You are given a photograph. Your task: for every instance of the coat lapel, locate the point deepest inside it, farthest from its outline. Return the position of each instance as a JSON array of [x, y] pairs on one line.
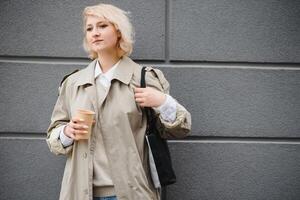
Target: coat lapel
[[123, 73], [87, 81]]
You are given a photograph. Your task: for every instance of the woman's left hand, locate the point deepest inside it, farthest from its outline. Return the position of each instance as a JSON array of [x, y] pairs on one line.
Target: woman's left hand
[[149, 97]]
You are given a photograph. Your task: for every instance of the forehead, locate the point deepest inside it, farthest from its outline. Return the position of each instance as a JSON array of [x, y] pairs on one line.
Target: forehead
[[92, 19]]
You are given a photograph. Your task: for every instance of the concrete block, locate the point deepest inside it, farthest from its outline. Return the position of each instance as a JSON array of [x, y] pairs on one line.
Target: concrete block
[[237, 31], [28, 170], [54, 28], [234, 171]]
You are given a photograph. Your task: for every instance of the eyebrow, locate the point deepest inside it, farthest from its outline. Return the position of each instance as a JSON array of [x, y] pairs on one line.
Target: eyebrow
[[100, 22]]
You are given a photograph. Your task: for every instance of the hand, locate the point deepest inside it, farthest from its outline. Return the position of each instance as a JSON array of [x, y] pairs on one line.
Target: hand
[[74, 127], [149, 97]]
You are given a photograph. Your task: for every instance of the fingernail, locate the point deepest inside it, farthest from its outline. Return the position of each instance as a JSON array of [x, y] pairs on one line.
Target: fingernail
[[85, 126]]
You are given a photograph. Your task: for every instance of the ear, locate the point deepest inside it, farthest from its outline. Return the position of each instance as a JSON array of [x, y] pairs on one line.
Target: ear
[[119, 33]]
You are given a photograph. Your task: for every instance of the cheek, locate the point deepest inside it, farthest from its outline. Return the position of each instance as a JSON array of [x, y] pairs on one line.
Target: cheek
[[111, 36], [88, 37], [114, 40], [89, 40]]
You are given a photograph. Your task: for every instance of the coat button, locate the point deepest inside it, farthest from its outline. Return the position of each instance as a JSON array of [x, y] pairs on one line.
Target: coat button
[[85, 155]]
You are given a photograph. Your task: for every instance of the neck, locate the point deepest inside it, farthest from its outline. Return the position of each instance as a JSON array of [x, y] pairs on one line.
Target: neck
[[107, 60]]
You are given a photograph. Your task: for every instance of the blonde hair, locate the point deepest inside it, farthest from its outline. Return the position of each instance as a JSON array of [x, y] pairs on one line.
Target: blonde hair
[[119, 18]]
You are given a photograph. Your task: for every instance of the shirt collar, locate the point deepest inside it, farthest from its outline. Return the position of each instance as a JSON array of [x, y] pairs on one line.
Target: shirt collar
[[123, 72], [109, 74]]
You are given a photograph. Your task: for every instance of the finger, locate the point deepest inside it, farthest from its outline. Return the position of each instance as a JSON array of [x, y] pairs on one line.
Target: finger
[[138, 90], [76, 120], [73, 135], [138, 95], [71, 124], [80, 127], [139, 100], [80, 132], [70, 133], [142, 104]]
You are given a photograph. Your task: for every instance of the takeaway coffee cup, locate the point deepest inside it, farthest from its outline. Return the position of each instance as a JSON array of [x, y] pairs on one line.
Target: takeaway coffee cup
[[88, 117]]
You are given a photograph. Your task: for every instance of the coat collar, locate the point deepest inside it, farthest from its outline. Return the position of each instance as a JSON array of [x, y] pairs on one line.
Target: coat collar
[[87, 75], [123, 72]]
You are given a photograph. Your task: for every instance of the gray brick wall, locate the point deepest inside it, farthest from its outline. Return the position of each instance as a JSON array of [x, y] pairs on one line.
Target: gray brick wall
[[233, 64]]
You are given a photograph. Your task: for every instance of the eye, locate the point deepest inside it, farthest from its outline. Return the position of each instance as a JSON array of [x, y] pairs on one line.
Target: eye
[[89, 29], [103, 25]]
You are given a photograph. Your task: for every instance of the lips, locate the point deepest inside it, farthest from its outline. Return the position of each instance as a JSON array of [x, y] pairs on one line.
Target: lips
[[97, 41]]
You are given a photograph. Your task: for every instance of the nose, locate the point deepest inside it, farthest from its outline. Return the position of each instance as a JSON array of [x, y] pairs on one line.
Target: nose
[[95, 32]]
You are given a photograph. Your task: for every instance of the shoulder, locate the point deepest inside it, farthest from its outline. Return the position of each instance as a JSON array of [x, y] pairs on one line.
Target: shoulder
[[81, 74], [65, 82], [154, 73], [154, 77], [70, 79], [67, 76]]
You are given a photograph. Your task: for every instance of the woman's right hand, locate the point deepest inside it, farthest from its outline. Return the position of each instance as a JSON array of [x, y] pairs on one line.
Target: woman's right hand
[[75, 127]]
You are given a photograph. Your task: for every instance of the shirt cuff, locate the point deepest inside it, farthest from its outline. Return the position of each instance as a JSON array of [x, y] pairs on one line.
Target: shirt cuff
[[65, 140], [168, 109]]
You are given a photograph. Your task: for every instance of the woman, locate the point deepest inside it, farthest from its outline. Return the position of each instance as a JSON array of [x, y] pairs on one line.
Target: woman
[[112, 163]]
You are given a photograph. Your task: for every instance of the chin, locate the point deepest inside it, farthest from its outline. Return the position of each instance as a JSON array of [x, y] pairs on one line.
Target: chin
[[104, 49]]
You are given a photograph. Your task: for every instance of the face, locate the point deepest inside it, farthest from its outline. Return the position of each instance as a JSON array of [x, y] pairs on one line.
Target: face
[[101, 35]]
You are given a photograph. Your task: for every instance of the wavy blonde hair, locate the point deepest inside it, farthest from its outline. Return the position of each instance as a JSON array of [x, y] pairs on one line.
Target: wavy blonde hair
[[119, 18]]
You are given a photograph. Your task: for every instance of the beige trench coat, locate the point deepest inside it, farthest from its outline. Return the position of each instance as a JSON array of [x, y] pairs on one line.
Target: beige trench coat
[[119, 120]]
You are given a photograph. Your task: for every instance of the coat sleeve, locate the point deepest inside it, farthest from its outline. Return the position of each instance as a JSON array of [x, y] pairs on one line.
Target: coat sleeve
[[181, 127], [60, 116]]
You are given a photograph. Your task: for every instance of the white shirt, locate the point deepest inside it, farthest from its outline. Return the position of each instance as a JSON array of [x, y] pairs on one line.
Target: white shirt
[[105, 78], [167, 109]]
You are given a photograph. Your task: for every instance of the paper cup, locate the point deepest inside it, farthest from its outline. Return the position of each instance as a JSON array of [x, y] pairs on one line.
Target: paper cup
[[88, 117]]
